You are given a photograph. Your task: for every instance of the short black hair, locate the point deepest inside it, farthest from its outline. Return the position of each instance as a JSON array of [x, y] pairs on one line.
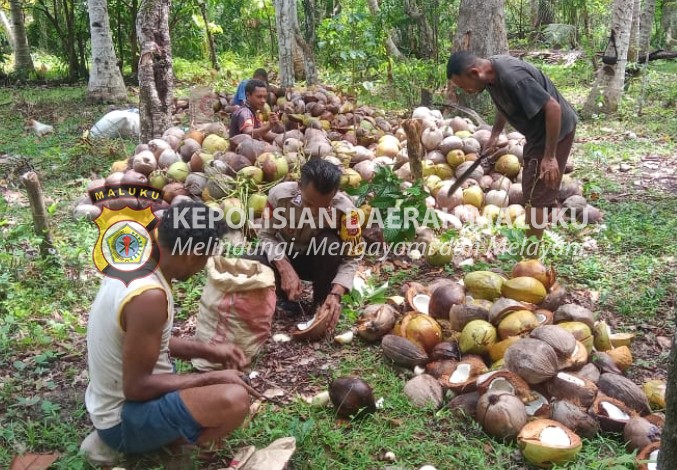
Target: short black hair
[[253, 84], [459, 63], [189, 223], [261, 73], [325, 176]]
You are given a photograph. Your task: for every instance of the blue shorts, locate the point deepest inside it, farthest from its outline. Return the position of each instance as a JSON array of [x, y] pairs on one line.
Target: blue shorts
[[149, 425]]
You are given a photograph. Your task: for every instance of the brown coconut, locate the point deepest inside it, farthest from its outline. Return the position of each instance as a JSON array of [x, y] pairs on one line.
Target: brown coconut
[[501, 414], [533, 360]]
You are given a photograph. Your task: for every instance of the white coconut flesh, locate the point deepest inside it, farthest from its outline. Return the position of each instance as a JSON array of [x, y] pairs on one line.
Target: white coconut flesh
[[553, 436], [614, 412], [461, 374], [541, 318], [421, 303], [571, 379], [534, 405], [304, 326], [501, 385], [653, 460]]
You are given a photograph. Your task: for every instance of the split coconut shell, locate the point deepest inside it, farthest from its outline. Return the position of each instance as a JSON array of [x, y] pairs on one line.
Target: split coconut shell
[[545, 442]]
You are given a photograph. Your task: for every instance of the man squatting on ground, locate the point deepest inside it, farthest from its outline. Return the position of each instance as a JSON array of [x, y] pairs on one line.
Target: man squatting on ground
[[528, 100], [330, 269], [247, 119], [135, 399]]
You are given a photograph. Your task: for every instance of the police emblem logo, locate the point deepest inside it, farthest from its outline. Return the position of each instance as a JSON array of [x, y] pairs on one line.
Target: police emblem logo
[[351, 233], [125, 248]]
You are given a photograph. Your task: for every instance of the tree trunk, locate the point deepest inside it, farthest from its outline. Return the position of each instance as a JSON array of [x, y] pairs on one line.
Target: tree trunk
[[533, 12], [634, 46], [7, 26], [646, 25], [608, 87], [210, 38], [134, 41], [105, 79], [156, 77], [285, 20], [483, 37], [545, 13], [23, 63], [310, 16], [426, 44], [668, 454], [391, 47], [308, 57], [669, 23]]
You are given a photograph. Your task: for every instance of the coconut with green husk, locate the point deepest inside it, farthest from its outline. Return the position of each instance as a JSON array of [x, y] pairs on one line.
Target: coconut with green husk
[[545, 442]]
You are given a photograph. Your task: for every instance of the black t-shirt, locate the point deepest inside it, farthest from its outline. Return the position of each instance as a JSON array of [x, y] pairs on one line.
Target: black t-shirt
[[520, 91]]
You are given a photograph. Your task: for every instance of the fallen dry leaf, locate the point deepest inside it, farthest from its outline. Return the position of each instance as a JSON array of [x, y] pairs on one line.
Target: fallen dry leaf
[[33, 461], [664, 342]]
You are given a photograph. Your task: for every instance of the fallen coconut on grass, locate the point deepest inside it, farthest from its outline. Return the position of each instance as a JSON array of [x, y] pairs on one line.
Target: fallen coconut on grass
[[545, 442]]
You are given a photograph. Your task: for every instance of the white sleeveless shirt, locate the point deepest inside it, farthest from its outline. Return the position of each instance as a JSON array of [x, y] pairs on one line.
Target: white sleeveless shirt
[[105, 338]]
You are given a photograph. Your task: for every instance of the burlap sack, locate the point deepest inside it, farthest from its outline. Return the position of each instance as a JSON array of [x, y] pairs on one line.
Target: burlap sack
[[237, 306]]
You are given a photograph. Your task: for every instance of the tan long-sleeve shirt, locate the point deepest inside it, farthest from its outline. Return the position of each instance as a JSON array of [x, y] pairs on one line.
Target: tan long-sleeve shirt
[[287, 228]]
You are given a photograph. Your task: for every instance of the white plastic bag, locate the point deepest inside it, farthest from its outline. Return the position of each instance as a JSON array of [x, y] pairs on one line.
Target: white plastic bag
[[120, 123]]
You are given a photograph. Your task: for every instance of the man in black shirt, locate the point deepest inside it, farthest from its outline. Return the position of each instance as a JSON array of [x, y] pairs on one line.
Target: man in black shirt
[[529, 101]]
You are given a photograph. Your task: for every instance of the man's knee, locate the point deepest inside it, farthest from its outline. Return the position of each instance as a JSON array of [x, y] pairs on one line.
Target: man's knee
[[233, 401]]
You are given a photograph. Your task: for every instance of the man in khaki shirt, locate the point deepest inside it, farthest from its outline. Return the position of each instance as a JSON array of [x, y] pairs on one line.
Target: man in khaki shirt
[[311, 231]]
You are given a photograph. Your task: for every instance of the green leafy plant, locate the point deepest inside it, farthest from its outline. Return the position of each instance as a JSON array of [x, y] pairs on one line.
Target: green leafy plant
[[384, 193]]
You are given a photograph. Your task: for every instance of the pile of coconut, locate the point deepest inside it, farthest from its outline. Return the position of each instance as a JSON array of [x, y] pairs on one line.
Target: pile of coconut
[[508, 352], [204, 163]]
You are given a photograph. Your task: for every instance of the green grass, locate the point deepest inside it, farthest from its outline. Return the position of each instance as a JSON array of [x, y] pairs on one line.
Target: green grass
[[43, 302]]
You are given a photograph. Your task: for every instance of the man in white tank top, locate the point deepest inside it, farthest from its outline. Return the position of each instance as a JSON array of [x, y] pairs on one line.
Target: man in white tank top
[[135, 400]]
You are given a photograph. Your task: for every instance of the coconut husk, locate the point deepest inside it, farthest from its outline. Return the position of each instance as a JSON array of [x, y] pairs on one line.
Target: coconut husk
[[504, 381], [574, 389], [574, 417], [562, 341], [424, 390], [531, 359], [639, 433], [501, 414], [464, 405], [625, 390], [602, 413], [573, 312]]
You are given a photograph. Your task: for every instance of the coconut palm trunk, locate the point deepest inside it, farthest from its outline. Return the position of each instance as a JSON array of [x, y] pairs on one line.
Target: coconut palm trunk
[[105, 79], [285, 20], [668, 453], [23, 63], [156, 76], [607, 91]]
